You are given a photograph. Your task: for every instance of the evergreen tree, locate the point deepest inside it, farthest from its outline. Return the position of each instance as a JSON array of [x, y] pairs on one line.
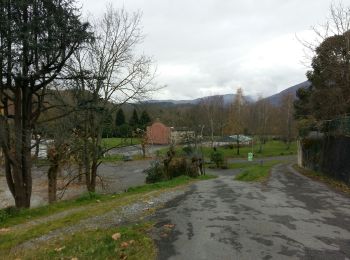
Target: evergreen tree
[[120, 118], [145, 119], [37, 39], [134, 120]]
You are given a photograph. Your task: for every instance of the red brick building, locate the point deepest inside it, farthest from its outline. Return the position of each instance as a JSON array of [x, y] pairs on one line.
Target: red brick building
[[158, 133]]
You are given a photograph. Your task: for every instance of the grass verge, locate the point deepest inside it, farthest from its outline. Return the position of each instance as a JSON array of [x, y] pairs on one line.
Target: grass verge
[[85, 207], [11, 216], [119, 158], [256, 172], [134, 243], [270, 149], [115, 142], [318, 176]]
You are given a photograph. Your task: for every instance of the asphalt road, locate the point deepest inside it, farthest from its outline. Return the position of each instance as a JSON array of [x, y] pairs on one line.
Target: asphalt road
[[289, 217]]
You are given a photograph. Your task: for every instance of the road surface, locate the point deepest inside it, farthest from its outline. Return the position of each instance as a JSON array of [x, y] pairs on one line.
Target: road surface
[[289, 217]]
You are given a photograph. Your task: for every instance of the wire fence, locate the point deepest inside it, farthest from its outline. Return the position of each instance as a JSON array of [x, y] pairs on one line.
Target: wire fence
[[336, 127]]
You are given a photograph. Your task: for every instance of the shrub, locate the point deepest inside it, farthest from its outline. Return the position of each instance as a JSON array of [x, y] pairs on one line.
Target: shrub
[[89, 196], [177, 167], [155, 173], [217, 157], [188, 150], [193, 169], [7, 213]]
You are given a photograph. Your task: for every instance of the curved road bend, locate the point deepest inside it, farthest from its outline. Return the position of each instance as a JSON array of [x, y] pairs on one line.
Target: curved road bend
[[289, 217]]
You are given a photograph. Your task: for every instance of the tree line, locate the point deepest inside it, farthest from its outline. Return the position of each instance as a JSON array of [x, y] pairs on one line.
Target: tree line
[[214, 118], [123, 128]]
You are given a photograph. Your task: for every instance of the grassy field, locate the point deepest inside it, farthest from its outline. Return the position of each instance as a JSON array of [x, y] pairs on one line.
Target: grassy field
[[115, 142], [72, 212], [255, 172], [270, 149]]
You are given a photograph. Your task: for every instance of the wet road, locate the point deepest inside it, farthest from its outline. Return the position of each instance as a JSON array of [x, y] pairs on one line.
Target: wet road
[[289, 217]]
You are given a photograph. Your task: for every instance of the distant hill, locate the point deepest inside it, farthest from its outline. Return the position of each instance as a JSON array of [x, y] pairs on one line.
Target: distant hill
[[276, 99], [228, 98]]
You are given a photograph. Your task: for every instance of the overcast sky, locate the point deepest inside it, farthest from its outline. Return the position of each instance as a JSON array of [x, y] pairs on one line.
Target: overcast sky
[[215, 46]]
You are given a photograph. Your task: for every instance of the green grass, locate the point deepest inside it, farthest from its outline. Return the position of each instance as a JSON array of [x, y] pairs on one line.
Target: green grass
[[99, 244], [270, 149], [15, 217], [169, 184], [256, 172], [84, 207], [241, 165], [115, 142], [113, 158]]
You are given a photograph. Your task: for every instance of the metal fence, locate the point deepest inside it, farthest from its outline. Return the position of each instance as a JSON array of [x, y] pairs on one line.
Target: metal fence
[[329, 154]]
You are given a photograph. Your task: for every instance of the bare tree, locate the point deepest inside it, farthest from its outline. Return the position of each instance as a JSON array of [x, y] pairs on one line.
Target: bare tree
[[108, 70], [287, 118], [338, 23], [262, 119], [237, 116], [212, 107]]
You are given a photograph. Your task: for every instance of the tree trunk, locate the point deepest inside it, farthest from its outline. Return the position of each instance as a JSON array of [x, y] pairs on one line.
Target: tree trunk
[[18, 158], [91, 181], [143, 146], [37, 147], [80, 172], [212, 132], [52, 182]]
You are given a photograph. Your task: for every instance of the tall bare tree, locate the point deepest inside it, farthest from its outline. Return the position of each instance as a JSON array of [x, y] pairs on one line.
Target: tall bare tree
[[287, 116], [263, 116], [212, 107], [237, 116], [108, 70]]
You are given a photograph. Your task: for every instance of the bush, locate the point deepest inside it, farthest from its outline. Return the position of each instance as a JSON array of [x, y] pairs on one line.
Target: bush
[[217, 157], [193, 169], [7, 213], [89, 196], [155, 173], [182, 166], [228, 146], [177, 167], [188, 150]]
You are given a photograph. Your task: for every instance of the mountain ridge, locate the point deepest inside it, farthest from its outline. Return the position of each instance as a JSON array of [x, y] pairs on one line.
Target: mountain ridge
[[274, 99]]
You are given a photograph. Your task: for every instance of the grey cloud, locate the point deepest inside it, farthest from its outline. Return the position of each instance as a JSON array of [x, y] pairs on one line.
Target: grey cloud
[[224, 43]]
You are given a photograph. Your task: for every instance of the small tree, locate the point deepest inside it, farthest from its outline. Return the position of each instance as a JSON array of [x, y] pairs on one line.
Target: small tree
[[217, 157], [120, 118], [134, 120], [145, 119]]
